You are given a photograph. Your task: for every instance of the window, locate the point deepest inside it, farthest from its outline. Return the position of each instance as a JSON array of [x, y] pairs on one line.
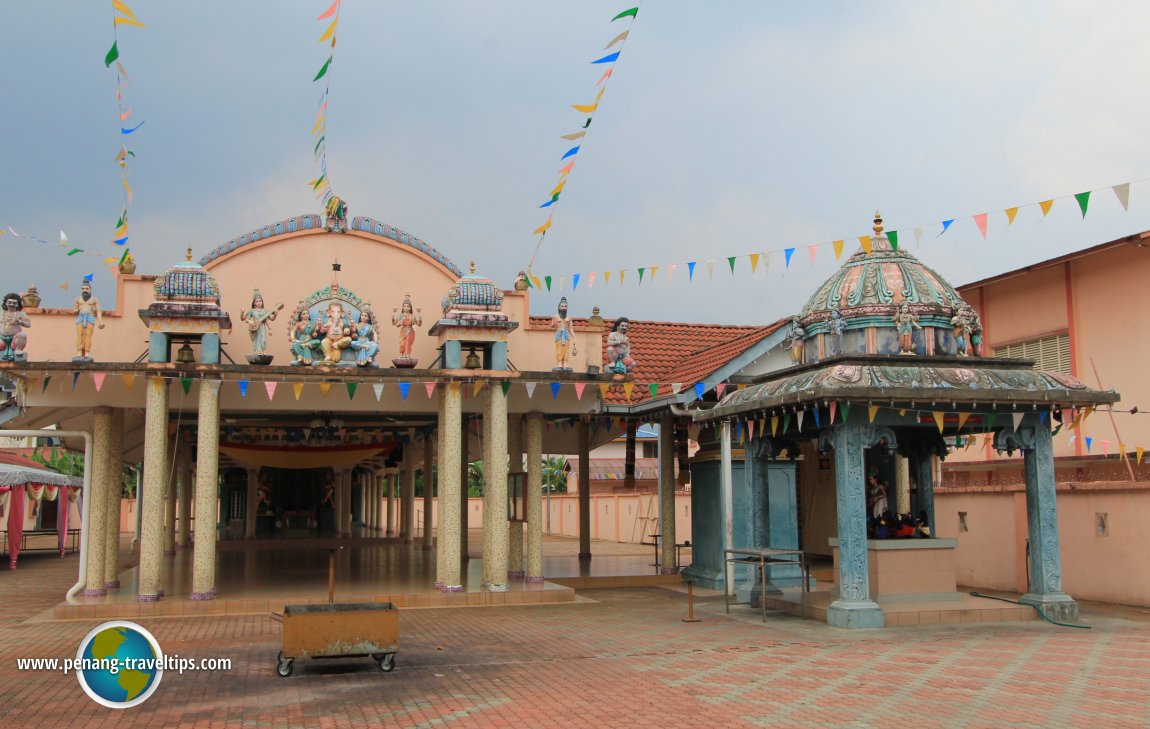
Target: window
[[650, 449], [1048, 353]]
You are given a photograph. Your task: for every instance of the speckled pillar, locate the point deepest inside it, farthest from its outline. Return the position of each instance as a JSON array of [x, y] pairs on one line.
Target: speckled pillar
[[495, 490], [187, 481], [534, 571], [667, 494], [515, 528], [155, 474], [368, 480], [170, 511], [408, 500], [584, 491], [464, 491], [428, 488], [901, 485], [96, 530], [374, 479], [207, 491], [447, 562], [253, 501], [389, 486], [115, 496]]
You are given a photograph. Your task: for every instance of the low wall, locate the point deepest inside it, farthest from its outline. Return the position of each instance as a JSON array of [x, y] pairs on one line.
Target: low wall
[[1104, 533]]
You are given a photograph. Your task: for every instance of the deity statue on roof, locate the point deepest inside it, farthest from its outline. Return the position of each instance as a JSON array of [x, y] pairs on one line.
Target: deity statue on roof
[[619, 359], [835, 327], [564, 337], [905, 322], [336, 333], [794, 340], [406, 318], [258, 318], [364, 338], [13, 321], [305, 336], [86, 307], [336, 210]]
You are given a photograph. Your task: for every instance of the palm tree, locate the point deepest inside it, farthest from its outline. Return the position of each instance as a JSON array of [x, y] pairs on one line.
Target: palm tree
[[555, 475]]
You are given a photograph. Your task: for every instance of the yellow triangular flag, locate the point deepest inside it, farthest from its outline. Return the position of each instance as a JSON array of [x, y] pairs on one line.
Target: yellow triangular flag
[[330, 29], [297, 388], [871, 411], [559, 188], [603, 388], [864, 241], [543, 228], [627, 388], [477, 386], [1122, 449], [762, 426], [938, 419], [128, 21], [606, 277], [774, 425], [1086, 414], [838, 244], [654, 270], [754, 262], [123, 8], [1010, 213], [325, 388], [1139, 451], [962, 418], [1046, 205], [621, 277]]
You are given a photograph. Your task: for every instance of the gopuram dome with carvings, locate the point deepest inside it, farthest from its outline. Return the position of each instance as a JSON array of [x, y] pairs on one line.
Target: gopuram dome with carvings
[[878, 294]]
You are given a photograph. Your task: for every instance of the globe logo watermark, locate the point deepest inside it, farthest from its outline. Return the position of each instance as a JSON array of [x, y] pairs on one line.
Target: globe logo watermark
[[119, 664]]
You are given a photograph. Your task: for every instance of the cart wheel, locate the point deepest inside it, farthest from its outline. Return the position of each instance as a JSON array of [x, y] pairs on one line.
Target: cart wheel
[[284, 668], [387, 663]]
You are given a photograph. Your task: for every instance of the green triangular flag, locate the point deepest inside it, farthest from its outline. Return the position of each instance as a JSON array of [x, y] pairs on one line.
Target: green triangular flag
[[45, 385], [323, 70], [731, 261], [846, 406], [74, 251], [654, 388], [786, 421], [529, 284], [547, 280], [186, 383], [892, 236], [316, 150], [1083, 199], [990, 418], [641, 270], [351, 390], [113, 54], [506, 385], [633, 12]]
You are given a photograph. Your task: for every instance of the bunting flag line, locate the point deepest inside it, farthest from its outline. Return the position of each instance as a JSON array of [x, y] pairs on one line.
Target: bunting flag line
[[122, 15], [322, 184]]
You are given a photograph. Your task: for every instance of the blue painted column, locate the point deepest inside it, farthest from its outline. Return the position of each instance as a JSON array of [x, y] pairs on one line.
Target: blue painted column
[[1045, 588], [853, 608], [923, 468], [707, 521], [783, 519]]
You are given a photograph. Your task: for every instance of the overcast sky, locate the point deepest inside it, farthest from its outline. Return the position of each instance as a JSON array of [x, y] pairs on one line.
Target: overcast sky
[[728, 128]]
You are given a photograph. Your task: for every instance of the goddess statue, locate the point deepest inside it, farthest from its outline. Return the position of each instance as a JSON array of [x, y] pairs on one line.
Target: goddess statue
[[794, 340], [962, 324], [905, 322], [363, 339], [13, 320], [407, 318], [305, 336], [259, 321]]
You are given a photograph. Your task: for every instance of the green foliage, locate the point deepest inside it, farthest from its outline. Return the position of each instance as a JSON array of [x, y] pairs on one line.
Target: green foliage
[[72, 464], [475, 478], [555, 475]]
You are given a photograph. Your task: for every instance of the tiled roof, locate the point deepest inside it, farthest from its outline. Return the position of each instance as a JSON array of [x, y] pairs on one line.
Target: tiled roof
[[668, 352]]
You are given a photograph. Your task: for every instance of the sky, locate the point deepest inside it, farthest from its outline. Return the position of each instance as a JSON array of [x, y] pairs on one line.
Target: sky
[[727, 128]]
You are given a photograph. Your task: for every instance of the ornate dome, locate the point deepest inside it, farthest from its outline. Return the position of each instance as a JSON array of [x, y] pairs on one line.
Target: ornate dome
[[474, 297], [187, 282], [866, 293]]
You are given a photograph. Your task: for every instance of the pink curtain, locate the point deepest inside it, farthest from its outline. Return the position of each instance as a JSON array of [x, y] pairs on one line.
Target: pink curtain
[[15, 524]]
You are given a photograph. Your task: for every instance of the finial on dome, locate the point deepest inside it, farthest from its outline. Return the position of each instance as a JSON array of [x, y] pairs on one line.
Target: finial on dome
[[877, 223], [473, 266], [189, 255]]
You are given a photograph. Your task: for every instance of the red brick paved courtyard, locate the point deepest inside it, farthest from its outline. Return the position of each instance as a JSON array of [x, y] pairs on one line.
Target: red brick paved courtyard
[[621, 658]]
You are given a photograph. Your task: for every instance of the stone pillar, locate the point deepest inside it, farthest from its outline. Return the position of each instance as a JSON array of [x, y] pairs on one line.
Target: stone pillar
[[515, 528], [923, 465], [187, 479], [682, 452], [389, 486], [348, 502], [667, 493], [534, 567], [629, 459], [408, 500], [253, 501], [464, 493], [853, 608], [170, 511], [1045, 561], [447, 562], [96, 530], [371, 500], [207, 491], [495, 490], [155, 474], [337, 506], [901, 485], [115, 496], [428, 489], [584, 491]]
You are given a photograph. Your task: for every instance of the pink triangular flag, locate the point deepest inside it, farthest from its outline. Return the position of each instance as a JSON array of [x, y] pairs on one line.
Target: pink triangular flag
[[834, 408], [750, 429], [271, 388], [980, 221], [671, 270], [430, 386], [579, 390], [98, 379], [590, 279], [812, 249], [1105, 447], [719, 389]]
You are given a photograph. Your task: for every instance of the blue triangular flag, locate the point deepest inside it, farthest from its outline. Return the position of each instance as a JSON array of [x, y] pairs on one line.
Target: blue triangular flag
[[690, 270], [738, 430], [1089, 440], [700, 388], [609, 58], [121, 241], [945, 224], [788, 253], [817, 424], [555, 390], [574, 281], [403, 388], [75, 377], [243, 387], [88, 278], [1042, 416], [570, 153]]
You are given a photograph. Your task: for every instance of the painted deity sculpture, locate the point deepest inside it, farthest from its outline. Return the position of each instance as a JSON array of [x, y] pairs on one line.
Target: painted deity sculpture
[[564, 338], [619, 359], [976, 335], [86, 307], [406, 318], [13, 321], [877, 495], [905, 322], [835, 328], [305, 336], [336, 210], [962, 327], [336, 333], [794, 340], [259, 321], [364, 339]]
